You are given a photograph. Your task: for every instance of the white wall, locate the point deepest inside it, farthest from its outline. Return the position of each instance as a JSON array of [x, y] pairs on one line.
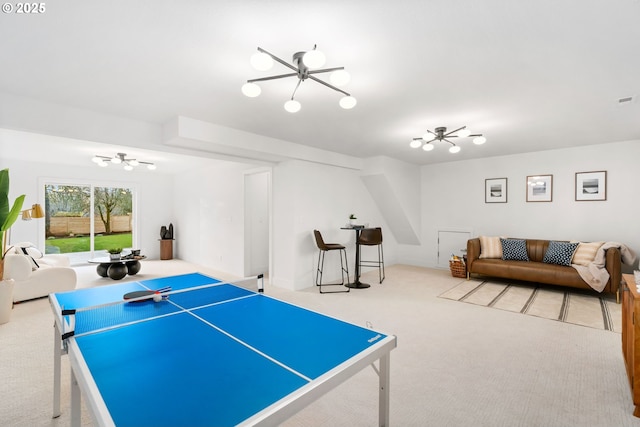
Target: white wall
[[209, 223], [206, 206], [405, 180], [154, 192], [308, 196], [453, 197]]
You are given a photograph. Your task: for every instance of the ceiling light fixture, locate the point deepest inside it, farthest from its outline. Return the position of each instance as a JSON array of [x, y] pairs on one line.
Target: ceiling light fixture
[[306, 64], [121, 158], [441, 134]]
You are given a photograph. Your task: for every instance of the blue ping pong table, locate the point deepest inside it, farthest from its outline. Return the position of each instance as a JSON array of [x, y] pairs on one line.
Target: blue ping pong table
[[209, 353]]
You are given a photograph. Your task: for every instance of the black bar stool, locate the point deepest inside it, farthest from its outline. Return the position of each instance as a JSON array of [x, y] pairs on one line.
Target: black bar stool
[[373, 237], [344, 266]]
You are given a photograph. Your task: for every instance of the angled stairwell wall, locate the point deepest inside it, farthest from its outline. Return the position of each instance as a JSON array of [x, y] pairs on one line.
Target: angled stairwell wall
[[391, 208]]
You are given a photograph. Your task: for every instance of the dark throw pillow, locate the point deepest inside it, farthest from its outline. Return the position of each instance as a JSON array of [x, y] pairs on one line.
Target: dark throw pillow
[[514, 250], [560, 253]]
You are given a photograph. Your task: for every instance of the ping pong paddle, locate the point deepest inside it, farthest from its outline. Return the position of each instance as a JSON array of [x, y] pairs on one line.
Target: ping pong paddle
[[140, 294], [153, 295]]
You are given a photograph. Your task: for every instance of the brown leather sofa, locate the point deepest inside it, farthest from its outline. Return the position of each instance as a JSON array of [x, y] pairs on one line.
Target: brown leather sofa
[[537, 271]]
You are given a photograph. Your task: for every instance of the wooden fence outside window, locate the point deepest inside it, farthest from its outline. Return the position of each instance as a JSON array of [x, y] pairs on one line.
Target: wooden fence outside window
[[73, 226]]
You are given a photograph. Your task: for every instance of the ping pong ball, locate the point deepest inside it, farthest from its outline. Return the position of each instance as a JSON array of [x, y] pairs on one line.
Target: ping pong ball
[[157, 297]]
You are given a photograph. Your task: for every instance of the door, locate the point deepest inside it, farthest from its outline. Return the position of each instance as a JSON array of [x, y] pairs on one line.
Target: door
[[256, 223], [83, 218]]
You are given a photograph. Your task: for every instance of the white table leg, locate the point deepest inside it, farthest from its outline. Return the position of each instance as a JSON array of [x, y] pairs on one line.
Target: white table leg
[[75, 401], [57, 357], [383, 404]]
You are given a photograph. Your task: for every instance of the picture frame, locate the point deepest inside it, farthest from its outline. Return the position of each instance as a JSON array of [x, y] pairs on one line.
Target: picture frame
[[495, 190], [591, 186], [539, 188]]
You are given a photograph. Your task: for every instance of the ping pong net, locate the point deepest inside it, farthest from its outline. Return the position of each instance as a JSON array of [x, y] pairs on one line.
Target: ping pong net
[[124, 312]]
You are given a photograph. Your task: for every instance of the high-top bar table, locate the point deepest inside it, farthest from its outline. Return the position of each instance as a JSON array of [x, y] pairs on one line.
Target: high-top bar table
[[357, 284]]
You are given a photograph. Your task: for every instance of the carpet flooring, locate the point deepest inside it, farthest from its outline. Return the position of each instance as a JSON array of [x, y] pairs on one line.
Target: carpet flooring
[[558, 304], [456, 364]]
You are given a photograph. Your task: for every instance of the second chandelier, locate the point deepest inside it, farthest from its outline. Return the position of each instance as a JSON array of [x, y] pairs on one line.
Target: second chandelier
[[441, 134]]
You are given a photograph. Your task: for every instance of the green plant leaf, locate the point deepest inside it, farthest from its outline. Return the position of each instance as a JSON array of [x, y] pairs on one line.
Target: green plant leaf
[[8, 216], [13, 213], [4, 195]]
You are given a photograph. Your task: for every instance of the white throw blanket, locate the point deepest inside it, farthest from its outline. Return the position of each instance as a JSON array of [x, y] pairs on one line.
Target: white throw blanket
[[594, 273]]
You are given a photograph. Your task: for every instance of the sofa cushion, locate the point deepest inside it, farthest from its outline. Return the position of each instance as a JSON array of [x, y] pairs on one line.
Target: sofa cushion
[[585, 253], [559, 253], [490, 247], [537, 272], [514, 249]]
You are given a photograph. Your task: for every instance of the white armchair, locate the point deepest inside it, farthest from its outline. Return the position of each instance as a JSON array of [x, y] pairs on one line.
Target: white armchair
[[52, 274]]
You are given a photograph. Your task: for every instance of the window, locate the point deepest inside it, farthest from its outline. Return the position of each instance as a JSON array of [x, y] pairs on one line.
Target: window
[[83, 219]]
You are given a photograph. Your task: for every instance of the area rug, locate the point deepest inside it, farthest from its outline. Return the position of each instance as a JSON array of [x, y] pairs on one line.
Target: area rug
[[549, 303]]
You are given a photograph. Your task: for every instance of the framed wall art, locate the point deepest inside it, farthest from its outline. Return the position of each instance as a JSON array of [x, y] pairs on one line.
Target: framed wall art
[[495, 190], [540, 188], [591, 185]]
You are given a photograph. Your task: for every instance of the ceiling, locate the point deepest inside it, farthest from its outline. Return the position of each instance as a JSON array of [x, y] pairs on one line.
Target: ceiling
[[528, 75]]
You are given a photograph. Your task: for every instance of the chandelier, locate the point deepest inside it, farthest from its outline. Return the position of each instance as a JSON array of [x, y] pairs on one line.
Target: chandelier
[[120, 158], [306, 65], [441, 134]]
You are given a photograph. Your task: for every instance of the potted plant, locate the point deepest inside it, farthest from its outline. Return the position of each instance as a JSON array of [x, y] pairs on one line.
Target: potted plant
[[8, 216], [114, 253], [352, 219]]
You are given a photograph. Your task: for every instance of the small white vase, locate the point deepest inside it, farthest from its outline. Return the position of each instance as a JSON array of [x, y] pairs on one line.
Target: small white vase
[[6, 300]]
